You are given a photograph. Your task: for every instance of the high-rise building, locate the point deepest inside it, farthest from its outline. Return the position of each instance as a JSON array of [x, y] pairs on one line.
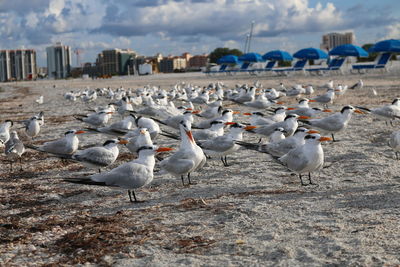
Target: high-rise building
[[172, 64], [331, 40], [115, 61], [58, 61], [197, 62], [17, 65]]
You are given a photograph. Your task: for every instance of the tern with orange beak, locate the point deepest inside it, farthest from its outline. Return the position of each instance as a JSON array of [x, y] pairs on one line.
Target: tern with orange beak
[[334, 123], [130, 175], [222, 146], [66, 145], [306, 158], [289, 124], [227, 116], [98, 119], [188, 158]]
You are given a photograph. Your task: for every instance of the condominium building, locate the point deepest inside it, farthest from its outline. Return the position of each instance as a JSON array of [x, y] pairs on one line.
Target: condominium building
[[197, 62], [172, 64], [331, 40], [17, 65], [58, 61], [115, 61]]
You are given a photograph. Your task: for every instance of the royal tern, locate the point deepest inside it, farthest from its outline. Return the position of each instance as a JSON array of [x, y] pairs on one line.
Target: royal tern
[[98, 119], [14, 148], [326, 98], [130, 175], [174, 121], [99, 156], [261, 102], [188, 158], [289, 125], [308, 112], [5, 131], [222, 146], [282, 147], [394, 142], [388, 112], [119, 127], [333, 123], [64, 146], [306, 158], [211, 112], [277, 135], [226, 116], [141, 138]]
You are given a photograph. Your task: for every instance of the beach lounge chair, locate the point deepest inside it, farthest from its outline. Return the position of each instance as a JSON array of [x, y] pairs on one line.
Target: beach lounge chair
[[243, 68], [268, 67], [334, 65], [380, 64], [298, 66], [221, 69]]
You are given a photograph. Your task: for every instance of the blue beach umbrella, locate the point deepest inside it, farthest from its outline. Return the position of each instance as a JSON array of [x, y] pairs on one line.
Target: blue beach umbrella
[[348, 50], [251, 57], [310, 53], [277, 55], [390, 45], [229, 59]]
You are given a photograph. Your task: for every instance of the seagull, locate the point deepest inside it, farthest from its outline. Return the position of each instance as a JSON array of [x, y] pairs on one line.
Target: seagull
[[5, 131], [66, 145], [388, 112], [14, 148], [188, 158], [32, 127], [99, 156], [306, 158], [334, 123], [357, 85], [394, 142], [222, 146], [130, 175]]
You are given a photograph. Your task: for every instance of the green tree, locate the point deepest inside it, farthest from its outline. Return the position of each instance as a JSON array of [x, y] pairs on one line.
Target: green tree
[[372, 55], [223, 51]]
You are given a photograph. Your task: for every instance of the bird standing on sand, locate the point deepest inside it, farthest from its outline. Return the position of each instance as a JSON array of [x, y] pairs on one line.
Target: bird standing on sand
[[394, 142], [5, 131], [188, 158], [306, 158], [130, 175], [32, 127], [14, 148], [65, 145]]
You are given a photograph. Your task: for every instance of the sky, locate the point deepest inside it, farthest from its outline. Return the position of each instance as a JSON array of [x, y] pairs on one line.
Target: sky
[[194, 26]]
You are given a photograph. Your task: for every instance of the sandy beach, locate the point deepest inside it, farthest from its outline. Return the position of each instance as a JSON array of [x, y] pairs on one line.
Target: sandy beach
[[253, 213]]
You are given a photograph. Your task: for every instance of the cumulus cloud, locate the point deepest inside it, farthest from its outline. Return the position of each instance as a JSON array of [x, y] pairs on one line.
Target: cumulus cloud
[[393, 31], [187, 24]]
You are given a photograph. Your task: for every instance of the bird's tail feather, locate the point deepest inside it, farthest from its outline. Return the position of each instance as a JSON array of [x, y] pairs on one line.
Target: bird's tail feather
[[84, 180]]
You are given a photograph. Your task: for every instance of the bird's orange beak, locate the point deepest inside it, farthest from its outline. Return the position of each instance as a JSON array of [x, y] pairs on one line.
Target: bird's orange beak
[[189, 134], [304, 118], [250, 127], [195, 111], [313, 132], [80, 132], [291, 109], [164, 149], [229, 123], [143, 131], [236, 112], [324, 138], [312, 100], [189, 109], [359, 111], [123, 142], [247, 114], [327, 110], [280, 103], [110, 112]]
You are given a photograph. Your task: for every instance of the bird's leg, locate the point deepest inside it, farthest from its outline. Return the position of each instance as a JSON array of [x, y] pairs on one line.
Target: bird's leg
[[301, 180], [397, 155], [391, 123], [309, 178], [11, 167], [222, 159], [226, 163], [130, 195], [99, 170], [134, 196], [259, 141], [333, 138], [183, 181], [188, 176], [20, 164]]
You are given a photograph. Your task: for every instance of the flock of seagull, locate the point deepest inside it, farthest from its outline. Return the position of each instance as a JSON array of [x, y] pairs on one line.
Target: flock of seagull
[[292, 133]]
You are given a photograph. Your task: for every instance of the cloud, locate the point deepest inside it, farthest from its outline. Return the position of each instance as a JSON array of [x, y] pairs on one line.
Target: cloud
[[393, 31]]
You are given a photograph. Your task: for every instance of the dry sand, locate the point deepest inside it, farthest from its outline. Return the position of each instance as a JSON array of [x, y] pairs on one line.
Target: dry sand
[[251, 213]]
